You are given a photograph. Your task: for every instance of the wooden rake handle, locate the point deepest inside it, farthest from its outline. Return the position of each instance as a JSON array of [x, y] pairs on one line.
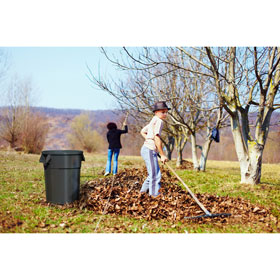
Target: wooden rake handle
[[126, 116], [188, 189]]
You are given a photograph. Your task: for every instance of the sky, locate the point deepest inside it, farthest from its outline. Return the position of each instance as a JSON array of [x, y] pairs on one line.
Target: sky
[[59, 75], [54, 52]]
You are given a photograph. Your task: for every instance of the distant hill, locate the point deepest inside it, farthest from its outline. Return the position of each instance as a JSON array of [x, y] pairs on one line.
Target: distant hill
[[60, 120], [97, 114]]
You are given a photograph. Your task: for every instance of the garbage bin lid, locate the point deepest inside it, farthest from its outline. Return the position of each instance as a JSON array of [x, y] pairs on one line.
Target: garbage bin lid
[[62, 152]]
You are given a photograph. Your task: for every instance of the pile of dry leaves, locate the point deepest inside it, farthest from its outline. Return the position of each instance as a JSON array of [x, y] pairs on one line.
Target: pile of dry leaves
[[120, 195], [186, 165]]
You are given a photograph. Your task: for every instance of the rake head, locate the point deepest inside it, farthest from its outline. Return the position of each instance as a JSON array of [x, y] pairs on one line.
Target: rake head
[[210, 216]]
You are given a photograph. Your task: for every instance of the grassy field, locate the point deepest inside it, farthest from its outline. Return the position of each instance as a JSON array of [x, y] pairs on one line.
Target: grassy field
[[23, 208]]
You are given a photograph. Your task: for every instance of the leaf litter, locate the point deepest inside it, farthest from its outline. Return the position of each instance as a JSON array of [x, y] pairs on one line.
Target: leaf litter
[[8, 222], [122, 197]]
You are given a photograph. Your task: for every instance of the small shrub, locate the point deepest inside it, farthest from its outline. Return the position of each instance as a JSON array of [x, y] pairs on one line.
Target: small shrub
[[83, 136], [34, 133]]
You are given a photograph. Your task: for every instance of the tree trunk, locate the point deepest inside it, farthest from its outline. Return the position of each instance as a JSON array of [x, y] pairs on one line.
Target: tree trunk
[[13, 141], [194, 153], [169, 154], [204, 154], [179, 157], [178, 145], [170, 146], [249, 154], [251, 166]]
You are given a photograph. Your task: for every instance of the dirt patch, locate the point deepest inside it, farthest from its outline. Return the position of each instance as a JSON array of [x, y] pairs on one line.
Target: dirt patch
[[122, 197]]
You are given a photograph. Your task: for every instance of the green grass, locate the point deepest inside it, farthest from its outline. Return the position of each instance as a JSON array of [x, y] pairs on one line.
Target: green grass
[[23, 208]]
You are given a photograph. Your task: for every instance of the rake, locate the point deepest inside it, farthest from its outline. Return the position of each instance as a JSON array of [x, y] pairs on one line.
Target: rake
[[207, 213]]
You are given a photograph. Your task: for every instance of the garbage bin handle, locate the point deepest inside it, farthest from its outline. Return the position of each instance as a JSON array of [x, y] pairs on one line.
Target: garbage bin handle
[[83, 157], [45, 160], [48, 159]]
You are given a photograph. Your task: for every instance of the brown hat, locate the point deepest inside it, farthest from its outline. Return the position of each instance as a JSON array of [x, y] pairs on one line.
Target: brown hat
[[160, 105]]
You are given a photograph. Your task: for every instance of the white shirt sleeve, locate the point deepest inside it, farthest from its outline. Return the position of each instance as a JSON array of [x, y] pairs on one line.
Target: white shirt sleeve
[[158, 127]]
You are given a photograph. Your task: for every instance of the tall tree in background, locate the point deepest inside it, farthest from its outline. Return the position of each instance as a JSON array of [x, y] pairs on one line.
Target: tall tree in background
[[143, 87], [13, 116], [20, 127], [262, 76], [160, 74], [202, 112], [247, 80]]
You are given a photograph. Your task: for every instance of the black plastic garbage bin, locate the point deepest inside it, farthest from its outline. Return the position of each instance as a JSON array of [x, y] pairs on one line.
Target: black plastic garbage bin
[[62, 175]]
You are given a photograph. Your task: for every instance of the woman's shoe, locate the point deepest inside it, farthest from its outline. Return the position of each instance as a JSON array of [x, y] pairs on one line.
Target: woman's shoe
[[107, 173]]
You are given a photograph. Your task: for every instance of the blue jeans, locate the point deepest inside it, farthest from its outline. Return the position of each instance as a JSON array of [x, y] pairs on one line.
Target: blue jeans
[[116, 153], [152, 183]]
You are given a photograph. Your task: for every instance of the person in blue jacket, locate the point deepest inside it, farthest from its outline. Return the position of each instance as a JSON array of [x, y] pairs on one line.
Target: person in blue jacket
[[114, 140]]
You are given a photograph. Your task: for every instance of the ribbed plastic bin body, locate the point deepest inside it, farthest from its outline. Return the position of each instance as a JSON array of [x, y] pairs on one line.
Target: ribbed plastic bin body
[[62, 175]]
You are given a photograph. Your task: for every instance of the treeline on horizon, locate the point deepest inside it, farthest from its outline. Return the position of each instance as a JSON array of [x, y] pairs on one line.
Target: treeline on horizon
[[132, 142]]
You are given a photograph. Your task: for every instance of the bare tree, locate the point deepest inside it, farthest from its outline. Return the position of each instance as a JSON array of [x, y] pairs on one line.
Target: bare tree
[[247, 80], [13, 114], [202, 110], [138, 94], [164, 74], [143, 87], [17, 126]]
